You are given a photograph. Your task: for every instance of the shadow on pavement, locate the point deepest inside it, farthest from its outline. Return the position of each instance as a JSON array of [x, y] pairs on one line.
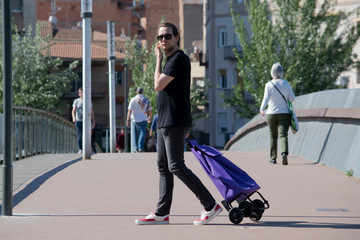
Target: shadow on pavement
[[303, 224], [37, 182], [260, 224]]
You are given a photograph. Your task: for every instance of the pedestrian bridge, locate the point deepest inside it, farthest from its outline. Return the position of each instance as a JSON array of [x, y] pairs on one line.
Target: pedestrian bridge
[[111, 190], [329, 130], [100, 199]]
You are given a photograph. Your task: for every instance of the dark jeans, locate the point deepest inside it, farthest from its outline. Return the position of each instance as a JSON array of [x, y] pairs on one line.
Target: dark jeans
[[78, 125], [171, 162], [279, 127]]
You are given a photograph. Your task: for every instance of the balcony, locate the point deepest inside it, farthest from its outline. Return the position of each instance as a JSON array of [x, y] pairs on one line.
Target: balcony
[[130, 4], [229, 54], [138, 4], [125, 4]]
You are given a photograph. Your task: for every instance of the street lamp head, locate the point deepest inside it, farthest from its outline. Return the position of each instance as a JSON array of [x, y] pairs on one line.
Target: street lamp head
[[111, 39], [86, 6], [53, 20]]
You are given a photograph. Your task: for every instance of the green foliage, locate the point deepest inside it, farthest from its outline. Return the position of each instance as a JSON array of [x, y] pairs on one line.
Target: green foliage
[[38, 80], [141, 63], [306, 41], [350, 172]]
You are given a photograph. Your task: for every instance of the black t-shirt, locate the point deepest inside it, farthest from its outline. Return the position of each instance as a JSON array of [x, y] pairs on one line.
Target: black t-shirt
[[173, 102]]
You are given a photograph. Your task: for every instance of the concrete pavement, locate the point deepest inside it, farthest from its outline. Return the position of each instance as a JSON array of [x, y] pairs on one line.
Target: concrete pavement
[[100, 199], [27, 168]]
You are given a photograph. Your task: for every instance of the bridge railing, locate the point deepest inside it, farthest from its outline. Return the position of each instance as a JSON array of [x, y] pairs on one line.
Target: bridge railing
[[36, 131]]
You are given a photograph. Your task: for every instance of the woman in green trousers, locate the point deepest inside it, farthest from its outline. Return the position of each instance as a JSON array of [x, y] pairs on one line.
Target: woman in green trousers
[[277, 92]]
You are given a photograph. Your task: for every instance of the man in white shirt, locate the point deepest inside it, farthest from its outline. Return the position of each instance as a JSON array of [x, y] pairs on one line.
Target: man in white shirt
[[77, 117], [139, 111]]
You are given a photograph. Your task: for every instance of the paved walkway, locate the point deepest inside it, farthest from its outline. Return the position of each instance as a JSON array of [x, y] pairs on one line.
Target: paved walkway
[[100, 199], [27, 168]]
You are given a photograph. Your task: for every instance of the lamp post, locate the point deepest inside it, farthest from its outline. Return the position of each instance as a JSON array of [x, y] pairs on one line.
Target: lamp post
[[7, 199], [86, 14], [52, 17], [125, 110], [111, 58]]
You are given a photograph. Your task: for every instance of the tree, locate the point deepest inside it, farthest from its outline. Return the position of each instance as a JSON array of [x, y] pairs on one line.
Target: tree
[[38, 82], [303, 38], [141, 63]]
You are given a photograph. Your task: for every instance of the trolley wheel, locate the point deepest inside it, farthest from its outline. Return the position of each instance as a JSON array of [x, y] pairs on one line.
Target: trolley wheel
[[256, 215], [236, 215], [246, 207], [258, 210]]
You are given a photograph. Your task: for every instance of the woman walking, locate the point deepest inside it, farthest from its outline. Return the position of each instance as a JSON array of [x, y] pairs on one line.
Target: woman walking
[[277, 92]]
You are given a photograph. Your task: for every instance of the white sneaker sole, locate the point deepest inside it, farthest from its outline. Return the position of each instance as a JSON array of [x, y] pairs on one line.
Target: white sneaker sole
[[138, 222], [209, 219]]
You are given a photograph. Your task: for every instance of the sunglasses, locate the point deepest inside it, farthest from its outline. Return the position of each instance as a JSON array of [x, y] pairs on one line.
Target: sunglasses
[[167, 37]]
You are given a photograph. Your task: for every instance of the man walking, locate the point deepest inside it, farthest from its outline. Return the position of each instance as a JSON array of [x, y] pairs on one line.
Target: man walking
[[140, 111], [77, 117], [174, 122]]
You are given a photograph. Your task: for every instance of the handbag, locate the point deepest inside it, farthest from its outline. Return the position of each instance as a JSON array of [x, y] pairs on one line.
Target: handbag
[[294, 123], [151, 144]]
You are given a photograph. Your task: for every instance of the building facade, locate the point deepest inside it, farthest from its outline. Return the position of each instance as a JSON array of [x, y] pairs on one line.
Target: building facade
[[221, 67], [207, 34], [219, 40], [351, 78]]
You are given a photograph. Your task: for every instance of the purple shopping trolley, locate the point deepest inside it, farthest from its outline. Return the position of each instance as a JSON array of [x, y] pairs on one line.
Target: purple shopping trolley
[[234, 184]]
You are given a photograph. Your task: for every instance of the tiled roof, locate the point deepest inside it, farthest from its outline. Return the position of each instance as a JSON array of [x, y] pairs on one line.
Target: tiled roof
[[73, 50], [74, 33], [63, 33], [67, 43], [100, 36]]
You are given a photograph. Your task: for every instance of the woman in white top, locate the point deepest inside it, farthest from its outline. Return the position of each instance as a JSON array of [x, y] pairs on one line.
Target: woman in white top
[[277, 113]]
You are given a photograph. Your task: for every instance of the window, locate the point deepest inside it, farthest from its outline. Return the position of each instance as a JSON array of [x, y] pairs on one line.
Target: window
[[223, 79], [223, 123], [75, 85], [119, 77], [17, 5], [222, 37], [237, 41], [138, 3], [119, 110]]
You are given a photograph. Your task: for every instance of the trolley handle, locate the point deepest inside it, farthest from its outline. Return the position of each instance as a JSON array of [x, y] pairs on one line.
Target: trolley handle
[[190, 137]]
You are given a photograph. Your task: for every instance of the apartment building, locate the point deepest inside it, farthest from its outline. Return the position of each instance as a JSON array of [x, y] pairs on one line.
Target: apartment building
[[221, 67], [219, 40], [351, 78]]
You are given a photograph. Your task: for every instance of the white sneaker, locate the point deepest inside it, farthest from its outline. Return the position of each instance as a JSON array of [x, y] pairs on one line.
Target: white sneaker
[[152, 219], [206, 217], [80, 151]]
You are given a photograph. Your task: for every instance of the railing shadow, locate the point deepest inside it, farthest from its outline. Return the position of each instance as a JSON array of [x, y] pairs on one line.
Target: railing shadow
[[37, 182]]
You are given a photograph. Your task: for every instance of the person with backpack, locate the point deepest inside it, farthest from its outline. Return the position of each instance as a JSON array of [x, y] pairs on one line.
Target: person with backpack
[[140, 112]]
